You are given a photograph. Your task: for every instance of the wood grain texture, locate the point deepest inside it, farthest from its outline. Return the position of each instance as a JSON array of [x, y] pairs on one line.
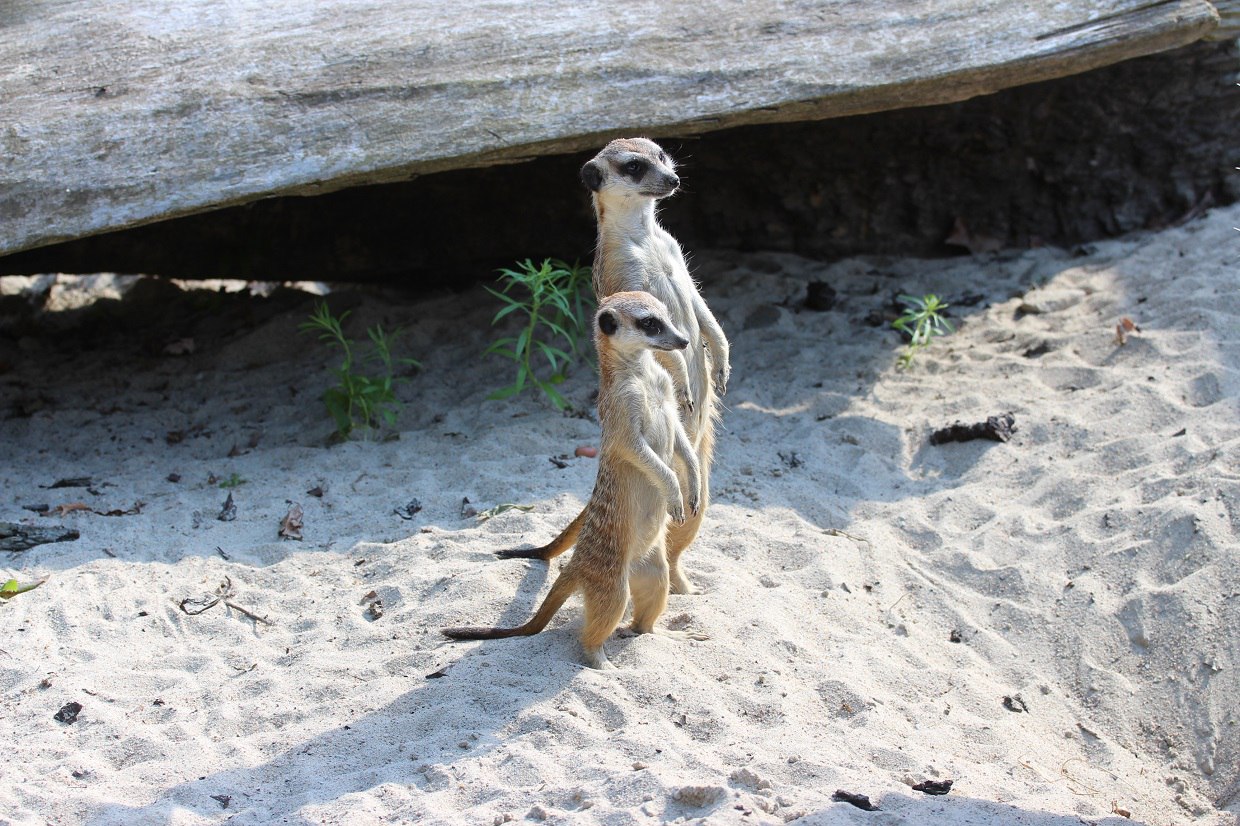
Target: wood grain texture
[[119, 114], [1229, 20]]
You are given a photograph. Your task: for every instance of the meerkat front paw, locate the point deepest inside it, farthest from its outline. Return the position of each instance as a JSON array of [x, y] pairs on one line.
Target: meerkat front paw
[[676, 510], [686, 400], [721, 378], [695, 504]]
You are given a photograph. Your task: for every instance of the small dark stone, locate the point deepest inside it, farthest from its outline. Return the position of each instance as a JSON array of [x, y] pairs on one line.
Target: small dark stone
[[955, 636], [996, 428], [316, 491], [819, 296], [68, 713], [222, 799], [408, 511], [859, 800], [933, 787], [1037, 351], [174, 477], [1015, 703]]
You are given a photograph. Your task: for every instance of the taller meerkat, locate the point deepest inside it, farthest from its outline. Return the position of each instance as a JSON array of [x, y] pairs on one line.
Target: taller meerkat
[[633, 252]]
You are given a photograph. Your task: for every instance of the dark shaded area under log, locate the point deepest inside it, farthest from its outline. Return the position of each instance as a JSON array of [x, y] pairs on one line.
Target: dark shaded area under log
[[1136, 145]]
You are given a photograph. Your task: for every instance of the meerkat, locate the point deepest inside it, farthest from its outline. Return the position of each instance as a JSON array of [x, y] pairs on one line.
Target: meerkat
[[633, 252], [620, 549]]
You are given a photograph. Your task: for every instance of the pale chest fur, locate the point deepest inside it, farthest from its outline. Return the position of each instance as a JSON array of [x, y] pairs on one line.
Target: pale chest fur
[[646, 399]]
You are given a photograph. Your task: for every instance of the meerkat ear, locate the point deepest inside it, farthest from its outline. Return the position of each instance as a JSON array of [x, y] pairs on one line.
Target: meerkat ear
[[607, 323], [591, 176]]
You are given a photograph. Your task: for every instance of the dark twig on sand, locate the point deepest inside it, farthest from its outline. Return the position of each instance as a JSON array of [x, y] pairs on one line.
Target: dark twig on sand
[[193, 606], [15, 536]]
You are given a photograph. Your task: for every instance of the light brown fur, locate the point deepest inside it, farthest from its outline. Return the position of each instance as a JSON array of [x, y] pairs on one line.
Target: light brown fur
[[620, 549], [635, 253]]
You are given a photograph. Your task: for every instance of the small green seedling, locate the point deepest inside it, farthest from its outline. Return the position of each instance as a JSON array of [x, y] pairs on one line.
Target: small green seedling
[[922, 322], [554, 299], [12, 588], [233, 481], [357, 400]]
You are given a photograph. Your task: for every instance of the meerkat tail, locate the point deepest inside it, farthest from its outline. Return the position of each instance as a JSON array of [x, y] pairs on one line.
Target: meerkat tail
[[556, 597], [557, 546]]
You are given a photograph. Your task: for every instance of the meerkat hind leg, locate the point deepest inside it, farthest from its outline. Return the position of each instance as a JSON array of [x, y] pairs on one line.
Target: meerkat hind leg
[[648, 584], [604, 610], [679, 537]]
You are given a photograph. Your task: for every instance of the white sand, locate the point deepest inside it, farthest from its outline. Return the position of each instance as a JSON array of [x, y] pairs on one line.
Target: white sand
[[1089, 566]]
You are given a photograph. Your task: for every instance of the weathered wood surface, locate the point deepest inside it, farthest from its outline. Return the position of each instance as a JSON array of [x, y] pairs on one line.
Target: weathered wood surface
[[1229, 20], [118, 114]]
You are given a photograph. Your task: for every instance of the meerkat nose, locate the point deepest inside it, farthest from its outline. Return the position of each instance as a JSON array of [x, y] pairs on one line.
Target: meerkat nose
[[681, 343], [673, 180]]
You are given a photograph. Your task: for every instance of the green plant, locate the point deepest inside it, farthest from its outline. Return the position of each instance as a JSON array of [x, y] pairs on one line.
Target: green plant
[[12, 588], [358, 400], [232, 481], [555, 300], [921, 322]]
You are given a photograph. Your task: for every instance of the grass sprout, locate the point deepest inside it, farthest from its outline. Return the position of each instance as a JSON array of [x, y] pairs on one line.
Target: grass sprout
[[359, 400], [554, 303], [922, 322]]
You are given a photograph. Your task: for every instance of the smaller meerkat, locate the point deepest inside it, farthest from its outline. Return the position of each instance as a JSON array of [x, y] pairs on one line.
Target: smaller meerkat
[[621, 549]]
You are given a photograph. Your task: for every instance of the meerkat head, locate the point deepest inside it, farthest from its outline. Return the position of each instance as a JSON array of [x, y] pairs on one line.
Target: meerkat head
[[633, 321], [631, 168]]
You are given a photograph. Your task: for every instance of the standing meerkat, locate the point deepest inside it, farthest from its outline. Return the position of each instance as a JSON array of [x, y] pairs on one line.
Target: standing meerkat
[[620, 549], [634, 253]]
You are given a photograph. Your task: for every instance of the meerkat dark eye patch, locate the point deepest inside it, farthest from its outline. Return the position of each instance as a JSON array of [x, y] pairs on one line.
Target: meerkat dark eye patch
[[592, 177], [635, 169], [607, 323], [650, 325]]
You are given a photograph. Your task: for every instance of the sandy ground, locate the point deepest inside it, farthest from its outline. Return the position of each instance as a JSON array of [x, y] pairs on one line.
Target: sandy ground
[[1050, 623]]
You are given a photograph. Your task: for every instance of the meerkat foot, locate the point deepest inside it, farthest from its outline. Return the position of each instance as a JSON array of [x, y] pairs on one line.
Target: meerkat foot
[[597, 659], [679, 584], [684, 636]]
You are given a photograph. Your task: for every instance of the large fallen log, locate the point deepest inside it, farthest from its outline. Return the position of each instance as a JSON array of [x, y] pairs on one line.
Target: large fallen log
[[114, 115]]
